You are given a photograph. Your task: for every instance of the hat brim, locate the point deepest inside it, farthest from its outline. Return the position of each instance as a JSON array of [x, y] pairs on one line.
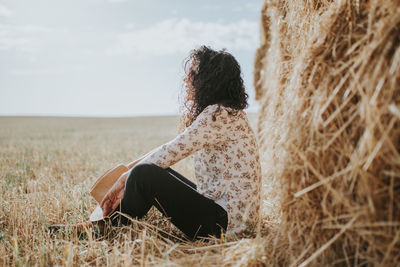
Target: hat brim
[[97, 214], [106, 181]]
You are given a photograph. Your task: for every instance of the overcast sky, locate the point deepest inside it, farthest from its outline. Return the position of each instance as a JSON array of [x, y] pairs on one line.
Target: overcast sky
[[114, 57]]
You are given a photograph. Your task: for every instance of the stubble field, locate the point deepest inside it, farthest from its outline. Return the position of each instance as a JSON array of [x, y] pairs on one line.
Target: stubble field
[[47, 166]]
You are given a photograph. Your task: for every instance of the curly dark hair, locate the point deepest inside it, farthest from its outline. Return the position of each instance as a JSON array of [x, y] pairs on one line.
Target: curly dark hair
[[211, 77]]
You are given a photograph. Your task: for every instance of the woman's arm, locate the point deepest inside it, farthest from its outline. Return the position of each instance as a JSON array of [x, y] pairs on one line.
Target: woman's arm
[[135, 162], [202, 132]]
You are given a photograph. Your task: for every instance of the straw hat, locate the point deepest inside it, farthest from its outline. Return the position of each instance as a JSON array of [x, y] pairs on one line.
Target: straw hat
[[101, 187]]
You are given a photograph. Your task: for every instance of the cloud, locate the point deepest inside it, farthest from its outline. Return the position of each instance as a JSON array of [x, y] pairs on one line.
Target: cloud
[[4, 11], [213, 7], [25, 38], [181, 35], [117, 1], [36, 71], [249, 6]]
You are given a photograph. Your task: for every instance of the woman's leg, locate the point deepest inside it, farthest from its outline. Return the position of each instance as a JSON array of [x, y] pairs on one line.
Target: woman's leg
[[181, 177], [194, 214]]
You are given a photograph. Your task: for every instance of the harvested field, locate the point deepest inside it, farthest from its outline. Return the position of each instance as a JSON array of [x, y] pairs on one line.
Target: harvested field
[[47, 167]]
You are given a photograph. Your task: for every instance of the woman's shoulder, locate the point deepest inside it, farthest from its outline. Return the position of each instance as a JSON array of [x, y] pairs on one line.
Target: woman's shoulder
[[218, 115], [218, 108], [211, 108]]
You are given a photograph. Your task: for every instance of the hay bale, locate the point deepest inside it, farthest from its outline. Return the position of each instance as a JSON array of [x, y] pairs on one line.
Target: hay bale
[[327, 76]]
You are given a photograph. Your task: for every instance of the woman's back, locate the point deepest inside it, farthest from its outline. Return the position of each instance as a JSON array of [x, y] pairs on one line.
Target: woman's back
[[229, 172]]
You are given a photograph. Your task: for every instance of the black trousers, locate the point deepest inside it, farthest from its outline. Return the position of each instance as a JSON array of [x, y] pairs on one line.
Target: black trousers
[[174, 196]]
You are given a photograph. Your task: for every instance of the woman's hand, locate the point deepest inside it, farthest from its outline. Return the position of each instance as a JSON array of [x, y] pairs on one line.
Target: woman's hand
[[114, 195]]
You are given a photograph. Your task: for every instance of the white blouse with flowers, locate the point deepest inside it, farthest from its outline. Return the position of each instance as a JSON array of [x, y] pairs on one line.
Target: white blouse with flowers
[[227, 163]]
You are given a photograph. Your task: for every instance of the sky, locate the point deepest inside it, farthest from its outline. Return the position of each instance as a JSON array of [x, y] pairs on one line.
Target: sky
[[114, 57]]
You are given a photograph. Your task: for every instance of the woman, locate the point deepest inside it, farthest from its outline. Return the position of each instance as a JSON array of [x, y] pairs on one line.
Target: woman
[[226, 158]]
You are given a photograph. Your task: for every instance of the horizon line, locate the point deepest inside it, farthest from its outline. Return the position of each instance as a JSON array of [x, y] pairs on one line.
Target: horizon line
[[101, 116]]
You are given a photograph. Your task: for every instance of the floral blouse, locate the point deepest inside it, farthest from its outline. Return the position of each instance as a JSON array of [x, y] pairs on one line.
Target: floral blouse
[[226, 161]]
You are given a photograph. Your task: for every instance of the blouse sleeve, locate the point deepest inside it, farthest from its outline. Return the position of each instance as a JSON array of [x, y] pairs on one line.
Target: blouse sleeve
[[202, 132]]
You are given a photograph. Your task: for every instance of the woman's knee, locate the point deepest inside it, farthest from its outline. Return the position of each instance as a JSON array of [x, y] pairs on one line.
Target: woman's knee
[[140, 173]]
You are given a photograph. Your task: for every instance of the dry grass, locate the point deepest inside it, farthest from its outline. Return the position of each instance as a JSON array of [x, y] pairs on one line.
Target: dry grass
[[327, 75], [47, 166]]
